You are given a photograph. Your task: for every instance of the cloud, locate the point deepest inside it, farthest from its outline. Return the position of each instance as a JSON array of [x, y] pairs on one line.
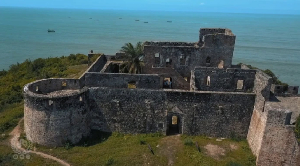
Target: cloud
[[201, 3]]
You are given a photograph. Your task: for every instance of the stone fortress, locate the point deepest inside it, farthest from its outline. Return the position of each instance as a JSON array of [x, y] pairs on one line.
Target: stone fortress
[[185, 88]]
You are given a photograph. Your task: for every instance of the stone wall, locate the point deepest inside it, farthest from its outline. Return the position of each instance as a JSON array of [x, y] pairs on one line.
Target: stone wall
[[121, 80], [256, 131], [142, 111], [57, 117], [174, 54], [53, 84], [174, 44], [214, 79], [279, 145], [207, 31], [216, 51], [98, 64], [262, 87]]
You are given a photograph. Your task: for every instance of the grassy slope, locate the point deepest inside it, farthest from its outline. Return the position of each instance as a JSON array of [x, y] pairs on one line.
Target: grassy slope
[[120, 149]]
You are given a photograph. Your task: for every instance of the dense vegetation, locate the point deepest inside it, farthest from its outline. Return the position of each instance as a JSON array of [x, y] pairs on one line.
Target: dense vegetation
[[297, 129], [275, 79], [13, 80], [11, 98]]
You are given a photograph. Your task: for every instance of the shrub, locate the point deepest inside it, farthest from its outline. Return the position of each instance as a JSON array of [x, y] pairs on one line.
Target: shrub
[[235, 137], [110, 161], [297, 129], [68, 145], [188, 142], [142, 141], [232, 163]]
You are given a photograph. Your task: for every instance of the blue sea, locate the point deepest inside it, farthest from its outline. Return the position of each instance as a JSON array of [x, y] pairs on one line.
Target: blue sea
[[265, 41]]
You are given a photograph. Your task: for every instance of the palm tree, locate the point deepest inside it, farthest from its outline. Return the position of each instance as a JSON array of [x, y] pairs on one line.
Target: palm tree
[[133, 55]]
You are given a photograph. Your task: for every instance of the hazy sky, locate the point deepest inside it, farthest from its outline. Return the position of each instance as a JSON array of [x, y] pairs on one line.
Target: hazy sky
[[232, 6]]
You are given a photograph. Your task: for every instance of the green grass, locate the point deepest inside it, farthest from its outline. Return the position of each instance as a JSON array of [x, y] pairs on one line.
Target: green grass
[[123, 149], [117, 149], [240, 156], [10, 117]]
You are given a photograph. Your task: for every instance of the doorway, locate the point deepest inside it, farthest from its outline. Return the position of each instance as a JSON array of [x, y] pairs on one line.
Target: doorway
[[174, 123]]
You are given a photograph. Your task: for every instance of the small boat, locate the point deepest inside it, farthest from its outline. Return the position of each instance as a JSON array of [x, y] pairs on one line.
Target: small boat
[[91, 18], [51, 30], [169, 21], [120, 18], [137, 20], [146, 22]]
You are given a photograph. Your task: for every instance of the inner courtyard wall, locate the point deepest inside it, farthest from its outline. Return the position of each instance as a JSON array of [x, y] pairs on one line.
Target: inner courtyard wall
[[215, 79]]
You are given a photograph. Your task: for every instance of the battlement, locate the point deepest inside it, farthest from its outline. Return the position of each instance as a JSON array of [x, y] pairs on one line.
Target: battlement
[[214, 31], [169, 44], [47, 86]]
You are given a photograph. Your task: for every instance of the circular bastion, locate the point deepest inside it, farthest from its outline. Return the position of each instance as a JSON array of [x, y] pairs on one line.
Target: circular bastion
[[55, 111]]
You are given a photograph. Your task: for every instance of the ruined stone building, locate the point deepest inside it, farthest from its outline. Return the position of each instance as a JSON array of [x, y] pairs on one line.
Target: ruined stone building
[[185, 88]]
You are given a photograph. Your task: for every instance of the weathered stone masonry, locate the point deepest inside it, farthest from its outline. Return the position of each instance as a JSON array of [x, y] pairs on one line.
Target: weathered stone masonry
[[144, 111], [209, 96]]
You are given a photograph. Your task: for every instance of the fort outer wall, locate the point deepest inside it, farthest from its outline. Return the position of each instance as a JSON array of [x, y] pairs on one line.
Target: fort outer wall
[[147, 111], [55, 112], [279, 145], [262, 85]]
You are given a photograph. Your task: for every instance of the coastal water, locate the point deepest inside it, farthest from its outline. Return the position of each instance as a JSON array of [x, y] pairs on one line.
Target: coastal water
[[266, 41]]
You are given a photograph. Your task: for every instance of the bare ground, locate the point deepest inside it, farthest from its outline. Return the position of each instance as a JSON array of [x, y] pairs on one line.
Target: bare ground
[[214, 151], [16, 145], [169, 146]]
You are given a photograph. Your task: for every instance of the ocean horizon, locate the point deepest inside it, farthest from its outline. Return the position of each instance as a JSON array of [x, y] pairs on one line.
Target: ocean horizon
[[267, 41]]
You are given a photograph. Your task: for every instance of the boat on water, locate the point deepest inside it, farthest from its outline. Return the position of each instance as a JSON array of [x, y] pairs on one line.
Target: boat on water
[[137, 20], [146, 22], [51, 30], [169, 21]]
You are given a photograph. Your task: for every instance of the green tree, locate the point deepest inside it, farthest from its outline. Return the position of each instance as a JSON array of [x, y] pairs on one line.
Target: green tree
[[133, 55]]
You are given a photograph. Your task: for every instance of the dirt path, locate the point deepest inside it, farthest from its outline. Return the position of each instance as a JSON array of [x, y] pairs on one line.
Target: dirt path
[[169, 147], [16, 145]]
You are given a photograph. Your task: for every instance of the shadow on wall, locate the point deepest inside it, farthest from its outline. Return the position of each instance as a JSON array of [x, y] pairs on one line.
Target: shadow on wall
[[94, 138]]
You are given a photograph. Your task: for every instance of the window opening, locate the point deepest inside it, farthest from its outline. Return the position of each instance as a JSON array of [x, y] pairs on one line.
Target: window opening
[[167, 82], [240, 84], [182, 59], [168, 62], [157, 58], [208, 59], [50, 102], [132, 85], [64, 83], [174, 120], [208, 81], [221, 64]]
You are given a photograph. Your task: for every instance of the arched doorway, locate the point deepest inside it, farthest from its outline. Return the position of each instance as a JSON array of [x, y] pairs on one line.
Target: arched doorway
[[174, 124]]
